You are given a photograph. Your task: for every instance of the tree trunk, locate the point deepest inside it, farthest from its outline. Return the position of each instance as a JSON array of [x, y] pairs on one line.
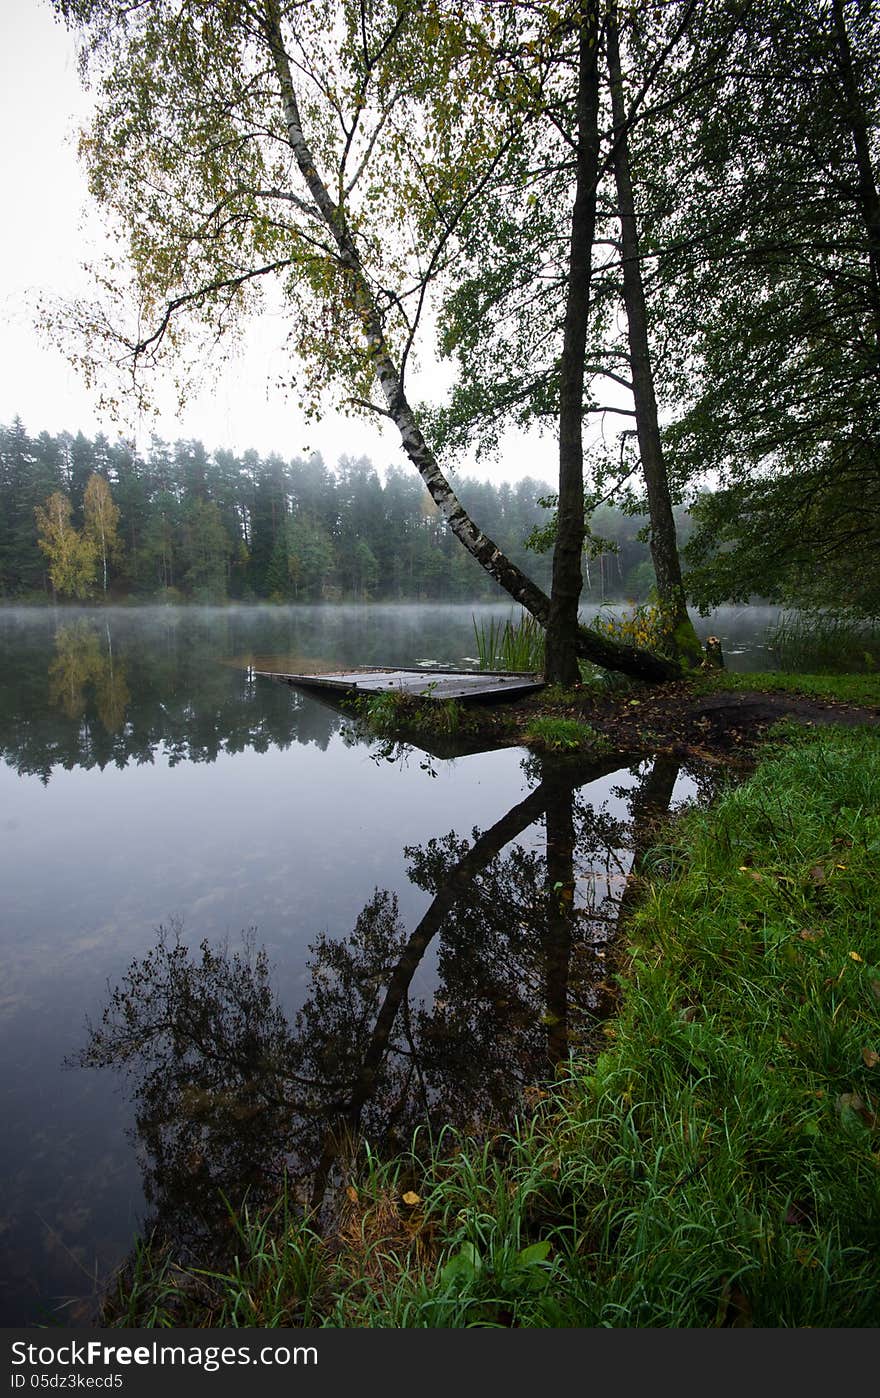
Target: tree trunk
[[869, 199], [561, 662], [664, 546], [599, 649]]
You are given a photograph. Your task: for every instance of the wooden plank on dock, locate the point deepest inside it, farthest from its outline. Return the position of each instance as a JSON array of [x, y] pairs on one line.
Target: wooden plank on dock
[[475, 685]]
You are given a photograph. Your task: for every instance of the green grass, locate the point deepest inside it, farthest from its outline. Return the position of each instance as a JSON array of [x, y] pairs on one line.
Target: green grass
[[717, 1164], [564, 735], [850, 689], [394, 713]]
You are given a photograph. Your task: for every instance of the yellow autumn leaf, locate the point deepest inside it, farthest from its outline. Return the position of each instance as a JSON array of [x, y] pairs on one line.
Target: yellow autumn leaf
[[854, 956], [410, 1197], [752, 873]]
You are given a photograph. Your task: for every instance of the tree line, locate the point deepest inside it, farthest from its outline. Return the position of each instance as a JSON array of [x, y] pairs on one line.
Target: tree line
[[86, 518]]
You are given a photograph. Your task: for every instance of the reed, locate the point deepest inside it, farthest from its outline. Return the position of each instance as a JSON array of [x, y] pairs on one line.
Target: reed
[[510, 645], [825, 643]]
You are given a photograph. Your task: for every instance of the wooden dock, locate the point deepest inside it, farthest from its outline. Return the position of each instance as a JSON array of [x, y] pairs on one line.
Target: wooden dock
[[476, 686]]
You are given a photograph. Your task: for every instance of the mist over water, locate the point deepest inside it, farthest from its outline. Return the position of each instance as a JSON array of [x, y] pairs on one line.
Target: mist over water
[[148, 776]]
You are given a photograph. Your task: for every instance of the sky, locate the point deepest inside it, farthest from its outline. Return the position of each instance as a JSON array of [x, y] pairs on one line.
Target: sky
[[45, 237]]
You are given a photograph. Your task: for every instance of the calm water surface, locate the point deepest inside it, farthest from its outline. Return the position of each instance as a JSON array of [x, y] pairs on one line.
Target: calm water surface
[[427, 932]]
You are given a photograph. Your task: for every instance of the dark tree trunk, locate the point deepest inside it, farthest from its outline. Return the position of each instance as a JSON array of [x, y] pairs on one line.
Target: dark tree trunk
[[869, 199], [561, 664], [664, 546]]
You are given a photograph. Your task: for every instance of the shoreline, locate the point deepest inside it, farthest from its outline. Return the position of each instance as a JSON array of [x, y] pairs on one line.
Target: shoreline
[[714, 1164]]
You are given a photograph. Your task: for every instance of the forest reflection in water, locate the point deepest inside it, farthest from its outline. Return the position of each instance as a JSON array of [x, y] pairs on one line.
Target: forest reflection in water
[[232, 1097]]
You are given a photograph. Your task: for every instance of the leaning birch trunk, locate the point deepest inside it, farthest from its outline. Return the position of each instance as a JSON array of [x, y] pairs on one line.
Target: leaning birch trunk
[[664, 547], [600, 650]]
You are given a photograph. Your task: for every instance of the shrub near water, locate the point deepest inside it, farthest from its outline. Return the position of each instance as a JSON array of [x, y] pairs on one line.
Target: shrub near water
[[646, 625], [564, 735]]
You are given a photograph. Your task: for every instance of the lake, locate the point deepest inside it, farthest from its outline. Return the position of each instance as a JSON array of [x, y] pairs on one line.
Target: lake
[[427, 934]]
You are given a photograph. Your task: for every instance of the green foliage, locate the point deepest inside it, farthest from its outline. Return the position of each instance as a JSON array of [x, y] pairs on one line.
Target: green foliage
[[772, 330], [205, 549], [216, 525], [310, 556], [805, 535]]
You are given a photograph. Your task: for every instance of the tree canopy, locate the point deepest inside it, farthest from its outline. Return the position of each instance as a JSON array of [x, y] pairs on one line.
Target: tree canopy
[[235, 143], [375, 161], [764, 227]]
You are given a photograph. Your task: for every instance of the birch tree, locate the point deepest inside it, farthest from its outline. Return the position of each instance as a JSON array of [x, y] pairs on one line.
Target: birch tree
[[102, 523], [236, 144], [70, 554]]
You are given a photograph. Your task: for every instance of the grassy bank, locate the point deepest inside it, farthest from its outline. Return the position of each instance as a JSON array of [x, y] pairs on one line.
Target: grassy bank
[[717, 1164], [844, 689]]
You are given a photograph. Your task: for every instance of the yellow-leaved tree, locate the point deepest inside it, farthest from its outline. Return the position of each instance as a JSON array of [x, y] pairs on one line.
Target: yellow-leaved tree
[[71, 555]]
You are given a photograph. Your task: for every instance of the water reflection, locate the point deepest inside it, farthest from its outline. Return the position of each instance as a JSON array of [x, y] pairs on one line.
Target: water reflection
[[106, 689], [83, 657], [503, 974], [114, 687]]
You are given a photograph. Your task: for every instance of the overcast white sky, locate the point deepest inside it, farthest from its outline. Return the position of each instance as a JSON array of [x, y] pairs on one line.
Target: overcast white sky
[[43, 243]]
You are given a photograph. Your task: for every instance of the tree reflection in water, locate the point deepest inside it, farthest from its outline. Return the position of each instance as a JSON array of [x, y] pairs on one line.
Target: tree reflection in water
[[84, 659], [231, 1096]]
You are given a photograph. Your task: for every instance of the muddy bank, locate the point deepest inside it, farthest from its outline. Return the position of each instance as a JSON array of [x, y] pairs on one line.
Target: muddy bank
[[673, 718]]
